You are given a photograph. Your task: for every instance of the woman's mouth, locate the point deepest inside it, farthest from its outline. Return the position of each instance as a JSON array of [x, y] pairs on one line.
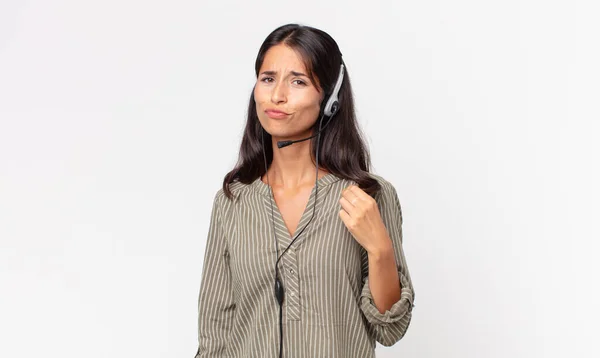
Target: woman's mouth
[[276, 114]]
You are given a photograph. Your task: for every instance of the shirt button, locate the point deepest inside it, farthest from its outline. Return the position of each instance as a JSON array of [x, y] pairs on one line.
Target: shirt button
[[292, 271], [291, 293]]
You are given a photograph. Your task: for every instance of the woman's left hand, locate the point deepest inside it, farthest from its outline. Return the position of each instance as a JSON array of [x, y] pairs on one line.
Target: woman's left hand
[[361, 216]]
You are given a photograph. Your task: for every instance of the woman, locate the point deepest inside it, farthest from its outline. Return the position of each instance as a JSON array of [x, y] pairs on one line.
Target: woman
[[304, 253]]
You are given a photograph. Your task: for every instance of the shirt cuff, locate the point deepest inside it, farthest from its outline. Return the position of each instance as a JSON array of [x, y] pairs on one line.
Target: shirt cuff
[[398, 309]]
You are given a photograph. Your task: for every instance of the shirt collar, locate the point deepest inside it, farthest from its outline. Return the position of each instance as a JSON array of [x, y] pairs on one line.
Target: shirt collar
[[263, 188]]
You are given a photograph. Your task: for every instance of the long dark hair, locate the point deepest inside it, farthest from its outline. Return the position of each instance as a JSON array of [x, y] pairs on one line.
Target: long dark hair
[[343, 150]]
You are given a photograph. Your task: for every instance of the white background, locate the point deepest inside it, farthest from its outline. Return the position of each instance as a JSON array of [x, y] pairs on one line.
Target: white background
[[119, 119]]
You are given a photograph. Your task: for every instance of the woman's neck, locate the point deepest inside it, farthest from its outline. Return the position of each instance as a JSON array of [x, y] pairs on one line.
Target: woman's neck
[[292, 166]]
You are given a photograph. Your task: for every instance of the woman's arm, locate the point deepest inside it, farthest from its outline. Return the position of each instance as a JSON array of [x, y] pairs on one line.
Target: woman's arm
[[384, 282], [388, 294], [216, 305]]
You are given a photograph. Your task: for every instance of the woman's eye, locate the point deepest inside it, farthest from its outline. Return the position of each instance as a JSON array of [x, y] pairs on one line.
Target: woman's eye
[[270, 79]]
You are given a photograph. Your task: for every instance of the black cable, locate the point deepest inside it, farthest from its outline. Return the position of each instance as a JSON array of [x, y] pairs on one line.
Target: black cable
[[279, 291]]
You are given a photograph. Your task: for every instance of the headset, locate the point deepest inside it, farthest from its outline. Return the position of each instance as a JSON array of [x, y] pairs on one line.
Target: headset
[[332, 106]]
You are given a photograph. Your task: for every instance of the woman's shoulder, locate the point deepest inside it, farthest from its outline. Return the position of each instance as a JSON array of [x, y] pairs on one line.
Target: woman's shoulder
[[387, 188], [237, 190], [381, 180]]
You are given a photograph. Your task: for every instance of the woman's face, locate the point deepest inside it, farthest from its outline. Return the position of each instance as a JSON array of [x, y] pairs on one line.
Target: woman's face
[[283, 85]]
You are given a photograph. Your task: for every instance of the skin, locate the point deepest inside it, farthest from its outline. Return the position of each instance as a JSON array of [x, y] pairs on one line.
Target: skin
[[292, 172]]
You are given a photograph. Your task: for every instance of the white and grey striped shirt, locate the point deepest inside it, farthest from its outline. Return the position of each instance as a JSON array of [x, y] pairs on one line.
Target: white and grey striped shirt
[[328, 308]]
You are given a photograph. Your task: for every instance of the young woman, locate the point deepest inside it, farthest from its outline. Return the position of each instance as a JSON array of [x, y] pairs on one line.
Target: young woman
[[304, 253]]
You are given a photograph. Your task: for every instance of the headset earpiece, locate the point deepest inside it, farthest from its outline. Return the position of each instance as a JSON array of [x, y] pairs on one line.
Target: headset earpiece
[[333, 105]]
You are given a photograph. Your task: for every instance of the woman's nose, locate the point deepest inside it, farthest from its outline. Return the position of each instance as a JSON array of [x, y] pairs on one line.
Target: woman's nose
[[279, 93]]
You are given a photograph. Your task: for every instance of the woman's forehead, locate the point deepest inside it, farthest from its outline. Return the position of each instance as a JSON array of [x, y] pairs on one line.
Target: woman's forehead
[[281, 57]]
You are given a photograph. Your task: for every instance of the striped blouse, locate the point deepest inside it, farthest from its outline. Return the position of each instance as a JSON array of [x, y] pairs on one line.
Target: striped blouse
[[328, 309]]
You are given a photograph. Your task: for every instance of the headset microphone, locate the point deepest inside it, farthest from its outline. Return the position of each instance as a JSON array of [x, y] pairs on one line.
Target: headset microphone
[[331, 108], [285, 143]]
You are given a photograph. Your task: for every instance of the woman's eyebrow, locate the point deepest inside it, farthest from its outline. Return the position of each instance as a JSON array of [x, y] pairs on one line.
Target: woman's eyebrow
[[273, 73]]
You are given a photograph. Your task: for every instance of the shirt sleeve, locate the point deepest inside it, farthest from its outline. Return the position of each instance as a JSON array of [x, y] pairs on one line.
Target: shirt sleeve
[[389, 327], [216, 304]]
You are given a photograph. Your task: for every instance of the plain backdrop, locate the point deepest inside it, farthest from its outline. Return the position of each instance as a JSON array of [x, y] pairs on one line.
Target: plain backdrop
[[119, 119]]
